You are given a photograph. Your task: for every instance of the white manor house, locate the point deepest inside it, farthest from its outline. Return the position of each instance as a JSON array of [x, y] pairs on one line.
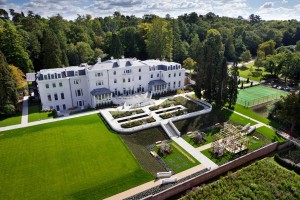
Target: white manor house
[[117, 80]]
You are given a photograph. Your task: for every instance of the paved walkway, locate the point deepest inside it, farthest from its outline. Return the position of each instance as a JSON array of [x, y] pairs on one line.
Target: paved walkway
[[25, 110], [195, 153], [6, 128], [150, 184]]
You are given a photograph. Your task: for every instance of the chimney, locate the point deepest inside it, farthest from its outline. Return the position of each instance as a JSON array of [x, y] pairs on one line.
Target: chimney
[[112, 58], [99, 60]]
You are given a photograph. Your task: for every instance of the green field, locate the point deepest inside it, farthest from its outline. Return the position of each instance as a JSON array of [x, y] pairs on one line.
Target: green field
[[246, 72], [10, 120], [70, 159], [257, 95], [179, 160], [264, 179], [35, 114]]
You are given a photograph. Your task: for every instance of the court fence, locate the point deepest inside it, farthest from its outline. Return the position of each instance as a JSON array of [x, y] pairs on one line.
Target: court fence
[[253, 102]]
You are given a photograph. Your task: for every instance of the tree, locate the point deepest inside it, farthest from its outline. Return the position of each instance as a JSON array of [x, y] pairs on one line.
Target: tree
[[267, 47], [85, 52], [189, 64], [287, 110], [298, 46], [129, 39], [12, 46], [51, 52], [19, 77], [254, 19], [8, 94], [159, 39], [212, 69], [195, 46], [246, 56], [233, 83], [116, 48]]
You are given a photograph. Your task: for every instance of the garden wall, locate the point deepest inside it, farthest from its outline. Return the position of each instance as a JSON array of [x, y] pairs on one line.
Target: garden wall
[[214, 173]]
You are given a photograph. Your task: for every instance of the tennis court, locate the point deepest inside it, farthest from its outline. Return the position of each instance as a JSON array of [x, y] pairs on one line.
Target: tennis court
[[257, 95]]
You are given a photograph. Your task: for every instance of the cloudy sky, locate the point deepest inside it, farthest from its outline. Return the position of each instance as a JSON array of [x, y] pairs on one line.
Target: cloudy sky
[[267, 9]]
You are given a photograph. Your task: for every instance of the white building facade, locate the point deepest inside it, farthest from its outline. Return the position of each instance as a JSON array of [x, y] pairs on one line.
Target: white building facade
[[93, 85]]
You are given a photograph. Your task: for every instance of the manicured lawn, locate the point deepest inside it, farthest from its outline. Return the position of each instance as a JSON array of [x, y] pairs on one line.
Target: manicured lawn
[[179, 160], [245, 72], [264, 179], [209, 138], [235, 118], [271, 134], [70, 159], [10, 120], [35, 114]]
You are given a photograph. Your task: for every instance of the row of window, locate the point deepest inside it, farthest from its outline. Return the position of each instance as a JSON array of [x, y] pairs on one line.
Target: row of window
[[58, 107], [62, 96], [54, 85]]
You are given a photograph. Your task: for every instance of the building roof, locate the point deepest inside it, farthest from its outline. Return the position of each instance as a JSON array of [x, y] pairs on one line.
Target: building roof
[[99, 91], [117, 63], [157, 82]]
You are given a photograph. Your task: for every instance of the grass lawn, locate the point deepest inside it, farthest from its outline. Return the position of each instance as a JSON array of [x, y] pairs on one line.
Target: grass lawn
[[271, 134], [264, 179], [179, 160], [70, 159], [35, 114], [246, 73], [209, 138], [235, 118], [10, 120]]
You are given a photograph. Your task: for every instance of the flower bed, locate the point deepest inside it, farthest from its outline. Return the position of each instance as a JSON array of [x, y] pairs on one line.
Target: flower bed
[[138, 122], [119, 114], [172, 114]]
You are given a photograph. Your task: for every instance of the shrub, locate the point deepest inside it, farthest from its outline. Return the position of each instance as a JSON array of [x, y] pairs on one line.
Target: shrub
[[9, 109]]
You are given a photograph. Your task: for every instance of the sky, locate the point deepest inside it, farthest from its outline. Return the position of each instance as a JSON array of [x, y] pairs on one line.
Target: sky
[[69, 9]]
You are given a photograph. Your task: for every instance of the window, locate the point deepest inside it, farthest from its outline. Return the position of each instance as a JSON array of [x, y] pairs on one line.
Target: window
[[58, 75], [60, 84], [174, 84], [62, 95], [55, 97], [179, 83], [98, 74], [52, 76], [45, 77], [124, 80], [78, 93], [64, 106], [49, 97], [57, 108], [179, 73], [169, 75], [115, 72], [157, 75], [99, 82], [174, 74], [140, 69], [140, 77], [53, 85], [77, 81], [151, 75], [115, 81], [47, 85], [128, 80], [76, 73]]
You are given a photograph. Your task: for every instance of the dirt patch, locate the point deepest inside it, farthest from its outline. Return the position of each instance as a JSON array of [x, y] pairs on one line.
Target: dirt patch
[[263, 109]]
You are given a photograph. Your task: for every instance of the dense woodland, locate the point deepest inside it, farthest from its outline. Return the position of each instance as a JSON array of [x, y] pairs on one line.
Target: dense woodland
[[205, 42]]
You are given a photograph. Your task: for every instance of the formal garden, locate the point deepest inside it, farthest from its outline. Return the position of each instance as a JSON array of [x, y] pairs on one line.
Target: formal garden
[[77, 158], [263, 179]]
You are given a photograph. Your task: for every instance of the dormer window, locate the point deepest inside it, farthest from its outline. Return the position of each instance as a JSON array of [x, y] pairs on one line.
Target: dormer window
[[76, 73]]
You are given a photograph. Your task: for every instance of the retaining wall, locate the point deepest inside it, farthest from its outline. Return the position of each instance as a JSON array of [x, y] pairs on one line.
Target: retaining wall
[[216, 172]]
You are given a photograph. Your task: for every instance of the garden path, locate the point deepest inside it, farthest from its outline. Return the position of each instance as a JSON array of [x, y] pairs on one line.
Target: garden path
[[25, 110]]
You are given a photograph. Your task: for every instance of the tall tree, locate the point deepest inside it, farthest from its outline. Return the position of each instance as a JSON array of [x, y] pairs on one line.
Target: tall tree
[[19, 77], [189, 64], [159, 39], [246, 56], [233, 86], [267, 47], [212, 69], [85, 52], [116, 48], [8, 94], [51, 51], [12, 46]]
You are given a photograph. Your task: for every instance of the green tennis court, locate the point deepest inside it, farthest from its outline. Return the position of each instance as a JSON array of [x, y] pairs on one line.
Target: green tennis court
[[257, 95]]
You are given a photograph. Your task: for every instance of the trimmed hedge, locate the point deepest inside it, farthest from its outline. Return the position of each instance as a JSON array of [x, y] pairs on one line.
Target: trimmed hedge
[[120, 114], [138, 122]]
